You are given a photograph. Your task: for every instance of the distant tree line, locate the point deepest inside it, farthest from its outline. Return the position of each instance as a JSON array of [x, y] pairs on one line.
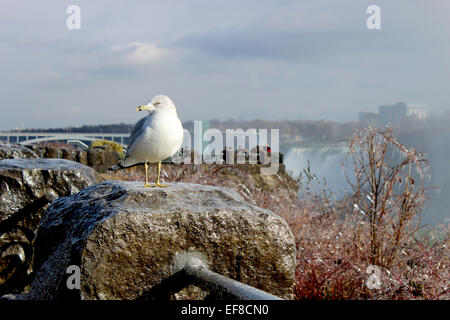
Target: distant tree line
[[307, 129], [313, 130]]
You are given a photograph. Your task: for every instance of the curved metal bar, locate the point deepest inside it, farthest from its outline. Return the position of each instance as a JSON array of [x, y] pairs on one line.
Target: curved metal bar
[[224, 287]]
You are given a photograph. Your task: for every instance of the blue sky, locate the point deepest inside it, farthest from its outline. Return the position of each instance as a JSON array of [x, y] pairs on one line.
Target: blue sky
[[264, 59]]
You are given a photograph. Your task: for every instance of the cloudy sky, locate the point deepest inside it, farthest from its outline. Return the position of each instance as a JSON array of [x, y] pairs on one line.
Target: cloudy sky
[[285, 59]]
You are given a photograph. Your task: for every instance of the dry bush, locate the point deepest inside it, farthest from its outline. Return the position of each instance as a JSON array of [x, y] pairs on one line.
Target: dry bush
[[114, 145], [333, 262], [386, 192], [337, 249], [56, 145]]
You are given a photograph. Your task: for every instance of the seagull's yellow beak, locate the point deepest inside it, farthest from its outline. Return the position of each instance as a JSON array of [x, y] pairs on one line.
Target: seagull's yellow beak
[[142, 108]]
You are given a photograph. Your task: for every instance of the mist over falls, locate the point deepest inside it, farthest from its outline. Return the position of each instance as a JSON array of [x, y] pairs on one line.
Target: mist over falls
[[326, 162], [434, 139]]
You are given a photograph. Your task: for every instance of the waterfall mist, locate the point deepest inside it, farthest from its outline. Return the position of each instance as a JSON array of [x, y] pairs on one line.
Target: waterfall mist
[[326, 162]]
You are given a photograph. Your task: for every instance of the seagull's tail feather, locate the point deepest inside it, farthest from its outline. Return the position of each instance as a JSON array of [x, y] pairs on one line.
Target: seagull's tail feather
[[128, 162]]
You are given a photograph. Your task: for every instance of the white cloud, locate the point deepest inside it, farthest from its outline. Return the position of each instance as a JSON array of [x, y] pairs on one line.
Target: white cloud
[[144, 53]]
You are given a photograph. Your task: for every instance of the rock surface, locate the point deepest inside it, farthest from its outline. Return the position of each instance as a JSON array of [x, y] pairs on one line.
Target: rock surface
[[26, 188], [15, 151], [23, 181], [125, 237]]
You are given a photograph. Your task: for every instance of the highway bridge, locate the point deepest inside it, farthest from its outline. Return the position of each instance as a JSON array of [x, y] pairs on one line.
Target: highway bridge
[[83, 139]]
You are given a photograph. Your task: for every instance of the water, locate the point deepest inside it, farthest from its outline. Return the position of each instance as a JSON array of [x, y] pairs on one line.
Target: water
[[325, 162]]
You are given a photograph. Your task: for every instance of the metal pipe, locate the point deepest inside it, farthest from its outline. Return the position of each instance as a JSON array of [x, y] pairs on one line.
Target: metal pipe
[[224, 287], [191, 268]]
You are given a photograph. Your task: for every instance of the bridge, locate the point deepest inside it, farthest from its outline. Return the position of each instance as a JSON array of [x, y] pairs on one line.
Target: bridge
[[83, 139]]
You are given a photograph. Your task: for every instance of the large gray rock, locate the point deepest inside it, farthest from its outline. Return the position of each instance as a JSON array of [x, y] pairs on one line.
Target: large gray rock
[[15, 151], [125, 238], [22, 181], [26, 188]]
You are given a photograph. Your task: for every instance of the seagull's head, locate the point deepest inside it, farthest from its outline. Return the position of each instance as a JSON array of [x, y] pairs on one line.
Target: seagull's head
[[158, 103]]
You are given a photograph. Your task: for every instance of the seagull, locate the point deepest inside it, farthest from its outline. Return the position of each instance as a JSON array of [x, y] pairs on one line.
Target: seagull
[[155, 137]]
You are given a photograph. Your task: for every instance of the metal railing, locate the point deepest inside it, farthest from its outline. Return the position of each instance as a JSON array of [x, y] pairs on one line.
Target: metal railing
[[26, 138], [220, 287]]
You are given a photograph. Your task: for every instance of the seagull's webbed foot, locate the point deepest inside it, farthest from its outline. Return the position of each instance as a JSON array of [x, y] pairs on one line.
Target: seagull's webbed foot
[[156, 185], [161, 185]]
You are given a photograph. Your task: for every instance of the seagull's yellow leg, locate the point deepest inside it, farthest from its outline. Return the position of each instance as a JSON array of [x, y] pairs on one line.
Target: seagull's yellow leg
[[146, 175], [157, 184]]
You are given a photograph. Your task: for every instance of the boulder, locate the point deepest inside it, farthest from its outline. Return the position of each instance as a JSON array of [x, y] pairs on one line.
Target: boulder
[[67, 154], [102, 158], [15, 151], [39, 150], [125, 239], [23, 181], [81, 156], [94, 158], [27, 186], [52, 153]]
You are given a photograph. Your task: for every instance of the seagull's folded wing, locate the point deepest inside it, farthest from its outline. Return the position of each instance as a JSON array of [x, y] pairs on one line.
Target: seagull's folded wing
[[137, 131]]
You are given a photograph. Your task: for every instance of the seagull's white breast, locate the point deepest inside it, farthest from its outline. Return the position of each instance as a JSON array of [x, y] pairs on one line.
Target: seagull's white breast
[[162, 136]]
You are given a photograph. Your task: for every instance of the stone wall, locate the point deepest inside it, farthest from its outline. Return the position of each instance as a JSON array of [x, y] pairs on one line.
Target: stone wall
[[99, 158]]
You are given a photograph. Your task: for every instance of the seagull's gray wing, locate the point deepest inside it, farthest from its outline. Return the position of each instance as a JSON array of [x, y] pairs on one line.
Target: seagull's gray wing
[[129, 161], [137, 130]]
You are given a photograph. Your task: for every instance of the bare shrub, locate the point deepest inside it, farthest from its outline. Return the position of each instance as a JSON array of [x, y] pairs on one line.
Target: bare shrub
[[388, 189], [338, 248]]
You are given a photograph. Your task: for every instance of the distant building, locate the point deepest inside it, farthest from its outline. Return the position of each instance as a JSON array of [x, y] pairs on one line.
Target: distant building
[[366, 119], [400, 112]]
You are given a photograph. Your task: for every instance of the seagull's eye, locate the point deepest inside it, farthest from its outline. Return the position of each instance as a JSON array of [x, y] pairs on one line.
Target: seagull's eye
[[157, 103]]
